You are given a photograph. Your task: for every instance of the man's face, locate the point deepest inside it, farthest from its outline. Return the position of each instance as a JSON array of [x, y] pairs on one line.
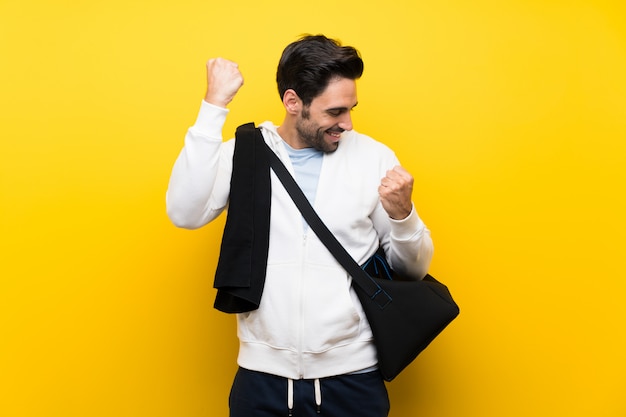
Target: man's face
[[320, 124]]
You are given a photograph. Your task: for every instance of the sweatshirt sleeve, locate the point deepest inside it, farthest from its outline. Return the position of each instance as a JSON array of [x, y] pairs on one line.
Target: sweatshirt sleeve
[[411, 247], [199, 185], [407, 242]]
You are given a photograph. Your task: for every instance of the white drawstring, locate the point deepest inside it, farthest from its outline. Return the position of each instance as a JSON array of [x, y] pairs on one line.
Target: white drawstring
[[290, 396], [318, 395]]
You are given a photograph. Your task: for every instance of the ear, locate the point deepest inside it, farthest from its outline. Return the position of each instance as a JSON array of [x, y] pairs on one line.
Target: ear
[[292, 102]]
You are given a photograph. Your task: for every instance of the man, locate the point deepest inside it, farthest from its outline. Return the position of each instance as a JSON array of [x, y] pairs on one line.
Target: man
[[307, 349]]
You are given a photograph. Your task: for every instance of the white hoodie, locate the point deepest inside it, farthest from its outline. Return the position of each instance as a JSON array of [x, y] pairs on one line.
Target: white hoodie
[[310, 323]]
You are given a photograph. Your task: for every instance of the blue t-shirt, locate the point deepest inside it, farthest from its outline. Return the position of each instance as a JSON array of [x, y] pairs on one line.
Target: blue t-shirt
[[307, 164]]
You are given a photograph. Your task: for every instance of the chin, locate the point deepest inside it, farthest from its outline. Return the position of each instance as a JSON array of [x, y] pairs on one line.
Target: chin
[[331, 147]]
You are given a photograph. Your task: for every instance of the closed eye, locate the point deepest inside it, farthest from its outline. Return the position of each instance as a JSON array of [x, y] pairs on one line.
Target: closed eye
[[336, 112]]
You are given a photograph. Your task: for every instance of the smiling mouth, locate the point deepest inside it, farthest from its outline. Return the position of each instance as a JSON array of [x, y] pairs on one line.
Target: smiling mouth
[[334, 133]]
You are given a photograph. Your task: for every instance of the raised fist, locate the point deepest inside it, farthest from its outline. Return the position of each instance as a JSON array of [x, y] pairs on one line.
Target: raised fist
[[223, 81], [395, 193]]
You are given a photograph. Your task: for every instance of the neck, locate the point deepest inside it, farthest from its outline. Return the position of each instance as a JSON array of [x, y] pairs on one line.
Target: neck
[[289, 134]]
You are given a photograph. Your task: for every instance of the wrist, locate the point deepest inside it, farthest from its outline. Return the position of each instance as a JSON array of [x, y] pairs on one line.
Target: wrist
[[401, 214], [217, 100]]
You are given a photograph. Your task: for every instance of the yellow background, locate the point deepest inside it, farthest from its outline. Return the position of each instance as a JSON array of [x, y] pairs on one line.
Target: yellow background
[[510, 114]]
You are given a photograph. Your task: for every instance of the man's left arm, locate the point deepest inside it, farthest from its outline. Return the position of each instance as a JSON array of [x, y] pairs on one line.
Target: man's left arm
[[410, 248]]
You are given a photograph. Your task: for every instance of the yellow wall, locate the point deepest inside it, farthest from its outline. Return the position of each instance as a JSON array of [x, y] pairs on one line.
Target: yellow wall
[[510, 114]]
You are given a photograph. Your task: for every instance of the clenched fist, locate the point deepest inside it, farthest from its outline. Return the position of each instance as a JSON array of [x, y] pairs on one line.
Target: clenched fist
[[395, 193], [223, 81]]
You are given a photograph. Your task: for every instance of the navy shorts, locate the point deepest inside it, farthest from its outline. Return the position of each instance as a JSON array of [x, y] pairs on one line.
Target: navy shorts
[[256, 394]]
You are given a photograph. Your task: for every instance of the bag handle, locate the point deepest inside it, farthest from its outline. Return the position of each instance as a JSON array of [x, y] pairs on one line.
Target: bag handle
[[359, 276]]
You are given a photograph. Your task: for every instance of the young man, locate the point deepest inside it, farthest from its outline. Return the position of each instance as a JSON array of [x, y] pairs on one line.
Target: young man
[[307, 349]]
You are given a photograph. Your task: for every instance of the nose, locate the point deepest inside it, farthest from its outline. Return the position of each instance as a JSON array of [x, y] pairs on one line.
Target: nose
[[346, 121]]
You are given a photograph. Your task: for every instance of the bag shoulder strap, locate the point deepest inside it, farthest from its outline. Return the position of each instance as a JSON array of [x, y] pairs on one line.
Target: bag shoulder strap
[[360, 277]]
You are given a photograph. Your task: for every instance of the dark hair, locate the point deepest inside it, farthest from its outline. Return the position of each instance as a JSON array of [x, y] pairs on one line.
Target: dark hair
[[308, 64]]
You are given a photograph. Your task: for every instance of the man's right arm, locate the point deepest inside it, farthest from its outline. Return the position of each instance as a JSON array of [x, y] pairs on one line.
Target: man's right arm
[[200, 182]]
